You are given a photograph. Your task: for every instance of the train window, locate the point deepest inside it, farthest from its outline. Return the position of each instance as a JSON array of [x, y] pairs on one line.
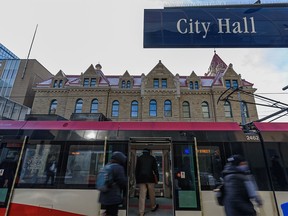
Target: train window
[[185, 177], [40, 164], [210, 166], [277, 154], [84, 162]]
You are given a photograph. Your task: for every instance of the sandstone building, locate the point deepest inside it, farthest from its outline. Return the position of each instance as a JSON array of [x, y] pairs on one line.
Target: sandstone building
[[158, 96]]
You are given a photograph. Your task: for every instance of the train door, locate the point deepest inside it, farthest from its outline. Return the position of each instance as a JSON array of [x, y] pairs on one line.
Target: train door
[[161, 150]]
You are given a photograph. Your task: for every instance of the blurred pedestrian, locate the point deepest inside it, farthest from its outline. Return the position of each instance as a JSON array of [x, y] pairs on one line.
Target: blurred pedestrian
[[112, 198], [240, 188], [51, 169], [146, 171]]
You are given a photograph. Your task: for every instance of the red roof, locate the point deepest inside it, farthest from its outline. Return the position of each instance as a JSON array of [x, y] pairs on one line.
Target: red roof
[[271, 126]]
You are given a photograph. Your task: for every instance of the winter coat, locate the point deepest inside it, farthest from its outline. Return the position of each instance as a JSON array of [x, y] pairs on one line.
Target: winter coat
[[114, 195], [239, 190], [145, 166]]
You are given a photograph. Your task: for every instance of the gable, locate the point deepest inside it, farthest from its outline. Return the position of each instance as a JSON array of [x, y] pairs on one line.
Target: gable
[[90, 71], [160, 73]]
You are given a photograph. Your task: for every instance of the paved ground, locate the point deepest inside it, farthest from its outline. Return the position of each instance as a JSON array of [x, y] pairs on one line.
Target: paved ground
[[165, 207]]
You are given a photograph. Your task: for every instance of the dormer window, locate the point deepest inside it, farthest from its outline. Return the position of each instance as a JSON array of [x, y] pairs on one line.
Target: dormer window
[[196, 85], [55, 84], [227, 84], [86, 82], [164, 83], [128, 84], [60, 83], [235, 84], [123, 84], [191, 85], [93, 82], [156, 83]]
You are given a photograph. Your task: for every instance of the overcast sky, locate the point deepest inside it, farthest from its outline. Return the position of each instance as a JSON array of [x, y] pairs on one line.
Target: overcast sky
[[73, 34]]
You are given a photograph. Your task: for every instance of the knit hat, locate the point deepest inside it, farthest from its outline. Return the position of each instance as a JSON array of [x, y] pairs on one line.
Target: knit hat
[[236, 159]]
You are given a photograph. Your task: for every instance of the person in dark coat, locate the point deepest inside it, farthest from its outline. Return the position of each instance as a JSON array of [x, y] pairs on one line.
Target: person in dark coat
[[51, 168], [146, 168], [111, 199], [240, 188]]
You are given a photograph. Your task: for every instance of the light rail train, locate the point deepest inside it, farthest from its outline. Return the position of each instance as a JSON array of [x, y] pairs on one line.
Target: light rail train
[[190, 157]]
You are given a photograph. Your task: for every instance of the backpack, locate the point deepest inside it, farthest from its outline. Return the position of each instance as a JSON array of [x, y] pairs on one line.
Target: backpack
[[220, 193], [104, 179]]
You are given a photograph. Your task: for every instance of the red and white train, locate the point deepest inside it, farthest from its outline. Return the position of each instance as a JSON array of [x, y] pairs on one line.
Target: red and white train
[[49, 167]]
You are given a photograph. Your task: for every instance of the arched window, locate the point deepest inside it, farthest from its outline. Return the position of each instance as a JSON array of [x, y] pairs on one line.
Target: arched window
[[205, 110], [191, 85], [245, 109], [53, 107], [167, 108], [153, 108], [134, 109], [128, 84], [60, 83], [123, 84], [115, 108], [55, 84], [227, 109], [94, 106], [196, 85], [186, 109], [78, 106]]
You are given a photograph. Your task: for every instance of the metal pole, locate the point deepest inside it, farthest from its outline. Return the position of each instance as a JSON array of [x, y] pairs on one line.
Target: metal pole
[[198, 175], [15, 175], [105, 148], [29, 52]]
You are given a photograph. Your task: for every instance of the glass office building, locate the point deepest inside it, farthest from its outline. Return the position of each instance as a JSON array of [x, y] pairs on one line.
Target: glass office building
[[6, 53], [9, 64]]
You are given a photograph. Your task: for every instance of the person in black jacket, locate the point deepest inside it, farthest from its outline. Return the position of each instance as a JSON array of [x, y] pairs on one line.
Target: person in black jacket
[[111, 199], [146, 168], [240, 188]]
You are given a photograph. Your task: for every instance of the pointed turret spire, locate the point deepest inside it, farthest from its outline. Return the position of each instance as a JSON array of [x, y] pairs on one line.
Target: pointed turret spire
[[217, 65]]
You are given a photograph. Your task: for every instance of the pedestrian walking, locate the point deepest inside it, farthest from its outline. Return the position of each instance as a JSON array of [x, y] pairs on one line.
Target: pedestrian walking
[[240, 188], [146, 171], [111, 198]]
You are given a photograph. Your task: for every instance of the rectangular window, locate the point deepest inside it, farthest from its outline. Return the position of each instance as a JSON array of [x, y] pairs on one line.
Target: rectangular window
[[86, 82], [228, 84], [83, 164], [156, 83], [40, 164], [93, 82], [235, 84], [210, 166], [164, 83]]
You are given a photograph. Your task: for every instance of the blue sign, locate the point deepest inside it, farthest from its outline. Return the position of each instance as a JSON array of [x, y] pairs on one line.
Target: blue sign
[[212, 27]]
